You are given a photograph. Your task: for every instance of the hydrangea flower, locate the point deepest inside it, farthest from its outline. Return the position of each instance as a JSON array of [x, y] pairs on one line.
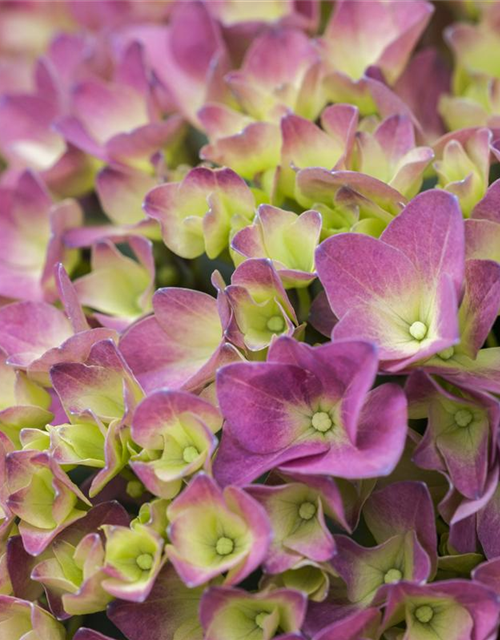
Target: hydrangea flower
[[348, 200], [213, 532], [249, 336], [199, 213], [225, 611], [286, 238], [307, 145], [390, 154], [116, 121], [309, 410], [248, 138], [461, 426], [132, 560], [42, 496], [30, 143], [176, 432], [258, 307], [407, 302], [70, 570], [118, 288], [405, 549], [22, 403], [297, 513], [463, 166], [394, 30], [453, 607], [474, 101], [80, 389], [21, 618]]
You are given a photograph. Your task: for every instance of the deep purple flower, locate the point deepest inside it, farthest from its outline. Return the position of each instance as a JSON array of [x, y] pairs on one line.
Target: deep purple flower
[[309, 410]]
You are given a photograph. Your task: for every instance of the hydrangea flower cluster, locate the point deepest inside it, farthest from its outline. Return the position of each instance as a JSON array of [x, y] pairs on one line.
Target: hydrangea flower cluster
[[249, 348]]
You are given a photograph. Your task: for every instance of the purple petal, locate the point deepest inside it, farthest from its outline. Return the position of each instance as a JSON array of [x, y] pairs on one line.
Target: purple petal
[[430, 232], [268, 404], [480, 304], [350, 628], [402, 507], [169, 606], [489, 207]]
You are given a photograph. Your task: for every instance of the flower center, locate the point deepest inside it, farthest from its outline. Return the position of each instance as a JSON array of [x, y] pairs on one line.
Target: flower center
[[276, 324], [135, 489], [321, 421], [307, 510], [418, 330], [224, 546], [190, 453], [424, 613], [463, 417], [144, 561], [446, 354], [393, 575]]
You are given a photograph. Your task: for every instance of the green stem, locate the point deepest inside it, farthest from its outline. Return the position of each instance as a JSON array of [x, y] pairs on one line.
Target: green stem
[[304, 298]]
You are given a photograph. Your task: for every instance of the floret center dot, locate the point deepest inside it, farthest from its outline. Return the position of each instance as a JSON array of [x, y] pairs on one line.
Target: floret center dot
[[307, 510], [190, 453], [145, 561], [424, 614], [418, 330], [135, 488], [446, 354], [224, 546], [321, 421], [463, 417], [276, 324], [393, 575]]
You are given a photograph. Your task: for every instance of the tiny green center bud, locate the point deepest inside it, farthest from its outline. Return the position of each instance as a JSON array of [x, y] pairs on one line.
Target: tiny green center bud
[[276, 324], [393, 575], [446, 354], [307, 510], [144, 561], [418, 330], [135, 488], [463, 417], [321, 421], [424, 613], [260, 619], [224, 546], [190, 453]]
